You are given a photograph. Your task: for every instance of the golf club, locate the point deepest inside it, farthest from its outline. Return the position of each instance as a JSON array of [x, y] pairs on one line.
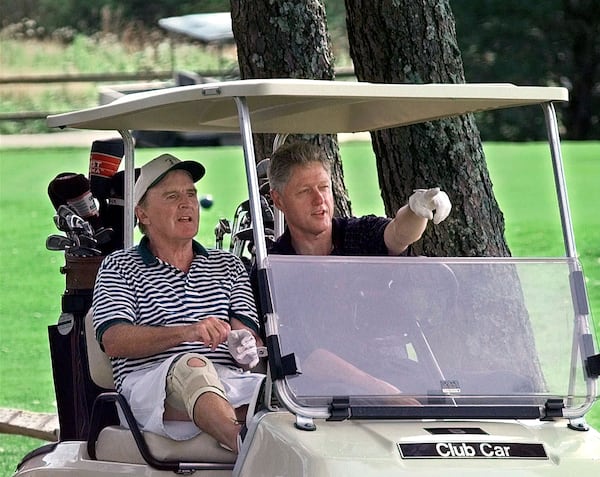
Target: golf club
[[222, 228], [59, 243]]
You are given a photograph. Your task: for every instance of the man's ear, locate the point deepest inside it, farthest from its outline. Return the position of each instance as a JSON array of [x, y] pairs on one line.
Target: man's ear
[[276, 198], [141, 215]]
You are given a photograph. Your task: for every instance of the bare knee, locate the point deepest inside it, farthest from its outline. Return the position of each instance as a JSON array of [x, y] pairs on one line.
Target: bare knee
[[196, 363]]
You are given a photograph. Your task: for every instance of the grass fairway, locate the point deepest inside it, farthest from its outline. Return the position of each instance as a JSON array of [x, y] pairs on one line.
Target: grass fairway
[[32, 285]]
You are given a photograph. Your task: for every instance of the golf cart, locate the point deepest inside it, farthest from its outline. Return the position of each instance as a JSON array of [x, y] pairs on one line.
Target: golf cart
[[455, 401], [210, 29]]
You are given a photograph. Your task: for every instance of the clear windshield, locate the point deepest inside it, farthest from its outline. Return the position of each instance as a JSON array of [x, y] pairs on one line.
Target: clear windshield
[[455, 332]]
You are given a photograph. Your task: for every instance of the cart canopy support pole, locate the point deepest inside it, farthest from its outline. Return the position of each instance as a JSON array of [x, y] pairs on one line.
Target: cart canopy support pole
[[128, 222], [559, 179], [252, 178]]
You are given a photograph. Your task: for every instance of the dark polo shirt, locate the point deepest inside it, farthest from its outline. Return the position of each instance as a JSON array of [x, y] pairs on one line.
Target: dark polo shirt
[[350, 235]]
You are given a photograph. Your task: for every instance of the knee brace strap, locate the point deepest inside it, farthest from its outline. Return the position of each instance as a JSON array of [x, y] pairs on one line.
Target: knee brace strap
[[186, 383]]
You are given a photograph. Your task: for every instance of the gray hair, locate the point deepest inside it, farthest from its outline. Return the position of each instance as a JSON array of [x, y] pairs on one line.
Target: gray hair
[[287, 156]]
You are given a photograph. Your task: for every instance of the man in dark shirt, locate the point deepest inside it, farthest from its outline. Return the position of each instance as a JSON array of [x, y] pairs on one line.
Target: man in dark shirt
[[300, 181]]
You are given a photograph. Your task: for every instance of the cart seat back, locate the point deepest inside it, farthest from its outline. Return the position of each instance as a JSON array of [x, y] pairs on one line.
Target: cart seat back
[[98, 362]]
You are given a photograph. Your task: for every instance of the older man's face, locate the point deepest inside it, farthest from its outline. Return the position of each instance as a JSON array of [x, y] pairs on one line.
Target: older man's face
[[170, 211], [307, 200]]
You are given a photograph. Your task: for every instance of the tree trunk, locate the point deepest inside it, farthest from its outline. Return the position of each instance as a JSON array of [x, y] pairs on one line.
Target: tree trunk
[[409, 41], [284, 39], [414, 41]]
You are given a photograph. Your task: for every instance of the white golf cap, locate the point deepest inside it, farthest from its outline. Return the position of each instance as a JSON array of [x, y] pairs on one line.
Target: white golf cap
[[154, 171]]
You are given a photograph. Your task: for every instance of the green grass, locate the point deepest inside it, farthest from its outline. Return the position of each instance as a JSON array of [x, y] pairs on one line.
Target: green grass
[[31, 283], [523, 186]]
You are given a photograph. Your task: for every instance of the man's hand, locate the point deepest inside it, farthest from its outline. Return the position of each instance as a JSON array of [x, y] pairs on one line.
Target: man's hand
[[211, 331], [424, 201], [242, 346]]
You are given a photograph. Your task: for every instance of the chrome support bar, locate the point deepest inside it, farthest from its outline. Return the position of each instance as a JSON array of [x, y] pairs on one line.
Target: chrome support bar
[[252, 178], [129, 162], [581, 324], [559, 179]]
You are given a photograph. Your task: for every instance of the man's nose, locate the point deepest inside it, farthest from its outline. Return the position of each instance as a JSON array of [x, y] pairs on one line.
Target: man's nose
[[186, 201], [318, 197]]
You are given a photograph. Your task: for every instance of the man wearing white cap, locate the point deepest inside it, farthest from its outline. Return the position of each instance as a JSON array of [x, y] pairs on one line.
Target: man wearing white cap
[[178, 320]]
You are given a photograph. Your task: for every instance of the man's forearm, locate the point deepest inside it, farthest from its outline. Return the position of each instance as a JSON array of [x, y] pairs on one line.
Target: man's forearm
[[132, 341], [238, 325], [405, 229]]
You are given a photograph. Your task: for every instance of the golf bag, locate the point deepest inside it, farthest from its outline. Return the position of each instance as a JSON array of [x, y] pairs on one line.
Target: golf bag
[[89, 211], [74, 388]]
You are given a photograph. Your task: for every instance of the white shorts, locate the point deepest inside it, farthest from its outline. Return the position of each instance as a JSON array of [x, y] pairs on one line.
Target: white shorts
[[148, 408]]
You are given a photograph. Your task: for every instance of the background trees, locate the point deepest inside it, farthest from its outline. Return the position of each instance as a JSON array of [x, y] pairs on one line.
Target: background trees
[[555, 42]]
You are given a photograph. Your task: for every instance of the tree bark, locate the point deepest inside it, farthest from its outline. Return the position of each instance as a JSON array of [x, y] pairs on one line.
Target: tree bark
[[394, 41], [288, 39]]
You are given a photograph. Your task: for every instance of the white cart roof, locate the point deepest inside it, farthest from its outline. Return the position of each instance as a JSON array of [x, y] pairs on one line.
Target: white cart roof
[[301, 106]]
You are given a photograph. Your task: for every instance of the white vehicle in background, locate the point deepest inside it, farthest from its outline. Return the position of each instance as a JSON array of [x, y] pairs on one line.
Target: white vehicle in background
[[468, 406], [210, 30]]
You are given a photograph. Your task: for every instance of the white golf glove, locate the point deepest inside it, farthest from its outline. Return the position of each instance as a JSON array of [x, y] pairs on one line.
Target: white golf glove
[[242, 346], [424, 201]]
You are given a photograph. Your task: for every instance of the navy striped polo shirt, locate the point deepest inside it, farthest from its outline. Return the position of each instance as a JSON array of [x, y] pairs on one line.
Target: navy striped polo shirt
[[133, 286]]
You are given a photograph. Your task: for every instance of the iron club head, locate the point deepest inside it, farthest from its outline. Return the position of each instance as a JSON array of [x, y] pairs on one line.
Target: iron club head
[[59, 243]]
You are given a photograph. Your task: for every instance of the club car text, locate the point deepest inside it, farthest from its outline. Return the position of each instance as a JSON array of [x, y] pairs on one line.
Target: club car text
[[472, 450]]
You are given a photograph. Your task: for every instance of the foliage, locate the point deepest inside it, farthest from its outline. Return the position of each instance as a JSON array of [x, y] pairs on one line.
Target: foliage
[[550, 43], [556, 42], [91, 17]]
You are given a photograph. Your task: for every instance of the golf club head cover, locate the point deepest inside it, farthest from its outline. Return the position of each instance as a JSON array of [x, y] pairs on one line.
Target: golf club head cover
[[424, 202], [56, 189], [105, 158], [73, 190]]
